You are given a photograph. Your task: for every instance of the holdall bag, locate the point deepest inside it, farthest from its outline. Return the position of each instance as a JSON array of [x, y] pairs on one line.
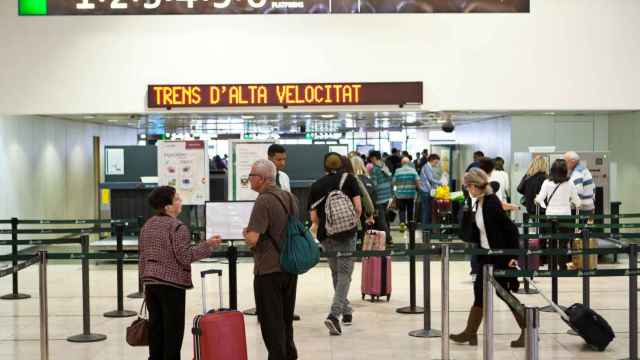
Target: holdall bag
[[590, 325], [218, 334], [592, 260], [138, 331]]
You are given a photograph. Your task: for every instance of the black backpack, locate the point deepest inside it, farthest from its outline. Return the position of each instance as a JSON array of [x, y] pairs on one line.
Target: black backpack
[[371, 188]]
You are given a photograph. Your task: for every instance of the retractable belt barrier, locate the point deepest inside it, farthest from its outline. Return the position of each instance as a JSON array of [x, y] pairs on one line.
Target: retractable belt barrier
[[40, 258]]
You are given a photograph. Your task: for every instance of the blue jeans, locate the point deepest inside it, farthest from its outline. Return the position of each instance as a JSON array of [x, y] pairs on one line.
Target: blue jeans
[[425, 207]]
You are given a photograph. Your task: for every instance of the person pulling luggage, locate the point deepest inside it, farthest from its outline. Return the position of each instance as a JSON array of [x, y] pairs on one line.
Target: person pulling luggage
[[491, 228]]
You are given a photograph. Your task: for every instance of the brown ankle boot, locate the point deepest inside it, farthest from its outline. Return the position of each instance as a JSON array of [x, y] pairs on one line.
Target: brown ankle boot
[[519, 343], [470, 333]]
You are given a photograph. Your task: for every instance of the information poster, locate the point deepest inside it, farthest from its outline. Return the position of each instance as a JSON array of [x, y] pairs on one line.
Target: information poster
[[115, 161], [185, 166], [243, 155], [227, 218]]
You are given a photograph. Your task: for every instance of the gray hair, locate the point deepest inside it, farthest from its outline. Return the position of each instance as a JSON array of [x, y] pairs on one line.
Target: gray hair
[[572, 155], [478, 178], [265, 168]]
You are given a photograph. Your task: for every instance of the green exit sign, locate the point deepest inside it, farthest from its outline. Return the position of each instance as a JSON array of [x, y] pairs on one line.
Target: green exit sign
[[32, 7]]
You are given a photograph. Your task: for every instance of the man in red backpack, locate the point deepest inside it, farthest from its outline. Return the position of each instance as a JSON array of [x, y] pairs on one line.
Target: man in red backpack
[[335, 207]]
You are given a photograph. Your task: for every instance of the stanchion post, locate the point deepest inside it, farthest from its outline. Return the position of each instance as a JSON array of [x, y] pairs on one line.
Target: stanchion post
[[140, 293], [426, 331], [412, 308], [120, 312], [232, 256], [633, 302], [15, 295], [586, 280], [525, 228], [86, 335], [445, 303], [487, 307], [44, 308], [615, 220], [554, 268], [531, 340]]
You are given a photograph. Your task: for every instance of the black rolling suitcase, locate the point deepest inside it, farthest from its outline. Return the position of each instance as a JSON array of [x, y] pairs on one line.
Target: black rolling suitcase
[[591, 327]]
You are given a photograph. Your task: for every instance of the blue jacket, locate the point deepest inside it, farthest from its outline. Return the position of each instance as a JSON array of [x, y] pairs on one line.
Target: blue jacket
[[428, 180]]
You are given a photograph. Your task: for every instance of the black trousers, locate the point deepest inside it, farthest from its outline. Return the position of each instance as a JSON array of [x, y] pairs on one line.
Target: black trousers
[[406, 210], [275, 302], [478, 287], [166, 305]]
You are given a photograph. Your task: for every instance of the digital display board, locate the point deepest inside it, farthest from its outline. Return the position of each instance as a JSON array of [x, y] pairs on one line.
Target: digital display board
[[285, 95], [166, 7]]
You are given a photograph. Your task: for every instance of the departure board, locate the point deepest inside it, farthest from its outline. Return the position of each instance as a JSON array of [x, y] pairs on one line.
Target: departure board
[[195, 7], [285, 95]]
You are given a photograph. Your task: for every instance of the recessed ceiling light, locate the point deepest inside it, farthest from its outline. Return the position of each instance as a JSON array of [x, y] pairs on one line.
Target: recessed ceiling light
[[113, 120], [248, 117], [549, 113], [327, 116], [89, 117]]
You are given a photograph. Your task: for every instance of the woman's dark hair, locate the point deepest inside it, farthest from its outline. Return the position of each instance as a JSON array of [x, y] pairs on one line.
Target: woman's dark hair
[[559, 172], [486, 164], [374, 154], [161, 197], [433, 157], [499, 163]]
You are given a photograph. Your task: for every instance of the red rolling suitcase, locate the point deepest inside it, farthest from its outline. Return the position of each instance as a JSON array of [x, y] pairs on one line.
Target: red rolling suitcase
[[376, 270], [218, 335]]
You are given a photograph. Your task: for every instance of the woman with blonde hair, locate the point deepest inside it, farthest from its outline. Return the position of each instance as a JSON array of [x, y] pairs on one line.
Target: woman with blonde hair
[[491, 228], [531, 182]]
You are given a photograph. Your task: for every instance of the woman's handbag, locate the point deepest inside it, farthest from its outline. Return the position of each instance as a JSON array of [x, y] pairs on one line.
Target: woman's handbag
[[138, 331]]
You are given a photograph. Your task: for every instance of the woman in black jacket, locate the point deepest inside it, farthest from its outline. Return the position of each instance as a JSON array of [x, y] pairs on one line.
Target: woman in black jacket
[[531, 183], [491, 228]]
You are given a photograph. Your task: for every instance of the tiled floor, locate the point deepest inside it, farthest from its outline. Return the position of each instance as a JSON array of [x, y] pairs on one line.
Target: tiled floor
[[378, 331]]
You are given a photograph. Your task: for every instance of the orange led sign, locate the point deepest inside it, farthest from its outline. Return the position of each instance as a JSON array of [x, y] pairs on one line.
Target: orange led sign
[[336, 94]]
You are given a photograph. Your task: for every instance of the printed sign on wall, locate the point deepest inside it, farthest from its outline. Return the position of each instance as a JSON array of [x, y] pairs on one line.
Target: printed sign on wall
[[243, 155], [185, 166]]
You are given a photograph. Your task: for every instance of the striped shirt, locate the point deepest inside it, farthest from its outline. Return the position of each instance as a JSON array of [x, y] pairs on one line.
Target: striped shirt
[[405, 181], [582, 179], [382, 181]]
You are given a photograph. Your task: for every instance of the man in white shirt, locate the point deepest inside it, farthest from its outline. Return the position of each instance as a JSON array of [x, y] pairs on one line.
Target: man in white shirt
[[278, 156]]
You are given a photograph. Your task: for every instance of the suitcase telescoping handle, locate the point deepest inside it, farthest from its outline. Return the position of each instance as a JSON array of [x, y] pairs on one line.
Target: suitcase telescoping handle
[[203, 275], [555, 306]]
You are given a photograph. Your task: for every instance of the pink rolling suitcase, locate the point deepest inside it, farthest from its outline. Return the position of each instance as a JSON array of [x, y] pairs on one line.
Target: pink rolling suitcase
[[534, 260], [376, 270], [218, 335]]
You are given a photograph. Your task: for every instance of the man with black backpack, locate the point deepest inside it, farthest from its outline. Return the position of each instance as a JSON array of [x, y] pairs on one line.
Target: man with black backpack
[[334, 208]]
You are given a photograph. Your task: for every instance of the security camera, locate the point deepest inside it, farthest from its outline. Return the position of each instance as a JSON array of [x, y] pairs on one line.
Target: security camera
[[448, 126]]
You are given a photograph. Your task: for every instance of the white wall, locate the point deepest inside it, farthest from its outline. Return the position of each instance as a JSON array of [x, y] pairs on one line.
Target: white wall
[[564, 55], [588, 132], [624, 132], [492, 137], [47, 166]]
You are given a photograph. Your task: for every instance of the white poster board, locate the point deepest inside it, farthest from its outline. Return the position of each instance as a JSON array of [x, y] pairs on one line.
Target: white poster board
[[227, 218], [243, 155], [185, 166], [114, 161]]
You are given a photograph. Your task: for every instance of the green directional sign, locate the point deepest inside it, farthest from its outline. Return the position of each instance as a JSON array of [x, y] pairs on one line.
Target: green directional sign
[[32, 7]]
